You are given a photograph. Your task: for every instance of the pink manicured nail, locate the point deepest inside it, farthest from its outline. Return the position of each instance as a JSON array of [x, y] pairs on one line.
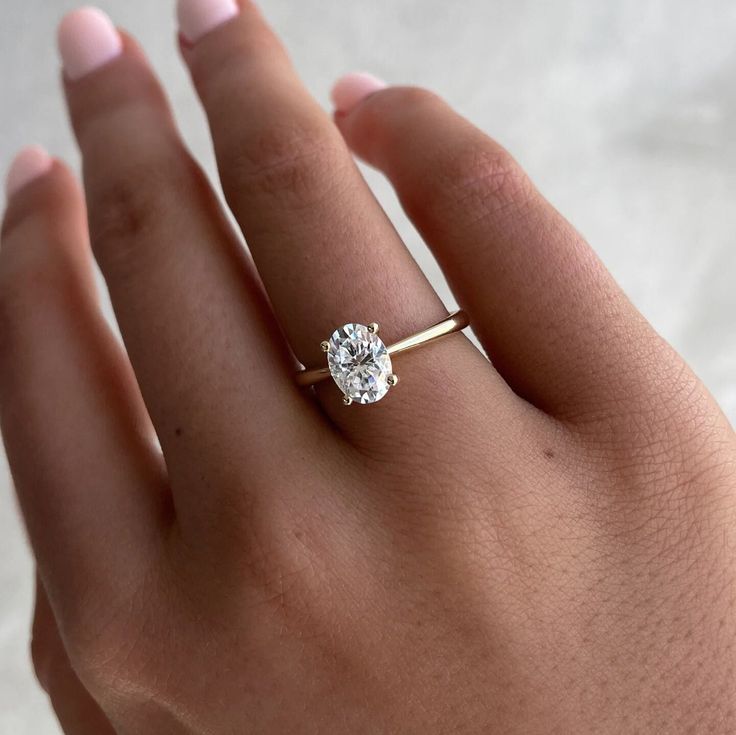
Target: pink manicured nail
[[87, 40], [199, 17], [349, 91], [28, 165]]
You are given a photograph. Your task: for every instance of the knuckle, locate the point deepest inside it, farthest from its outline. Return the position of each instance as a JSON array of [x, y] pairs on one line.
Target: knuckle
[[295, 162], [116, 643], [484, 179], [51, 667], [657, 410], [102, 656], [283, 555], [30, 285], [127, 210], [489, 177], [277, 563], [42, 659]]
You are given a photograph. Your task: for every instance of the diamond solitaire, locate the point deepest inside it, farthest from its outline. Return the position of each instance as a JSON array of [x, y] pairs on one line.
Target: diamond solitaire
[[359, 363]]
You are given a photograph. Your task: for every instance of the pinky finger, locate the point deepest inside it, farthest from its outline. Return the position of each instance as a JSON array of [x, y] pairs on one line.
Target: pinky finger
[[90, 481]]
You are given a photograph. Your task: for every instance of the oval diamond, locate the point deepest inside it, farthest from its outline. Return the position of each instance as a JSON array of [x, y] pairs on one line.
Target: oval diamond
[[359, 363]]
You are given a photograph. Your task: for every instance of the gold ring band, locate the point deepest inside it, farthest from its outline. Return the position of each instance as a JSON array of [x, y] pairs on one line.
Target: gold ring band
[[375, 357]]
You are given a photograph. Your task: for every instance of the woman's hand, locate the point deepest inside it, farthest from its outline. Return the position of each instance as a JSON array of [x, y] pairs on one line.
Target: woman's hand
[[540, 544]]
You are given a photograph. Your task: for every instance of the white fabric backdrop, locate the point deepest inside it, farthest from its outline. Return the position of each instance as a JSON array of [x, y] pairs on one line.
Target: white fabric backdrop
[[624, 112]]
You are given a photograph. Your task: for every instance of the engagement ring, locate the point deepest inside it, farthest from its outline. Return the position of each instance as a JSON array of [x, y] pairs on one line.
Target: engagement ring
[[360, 363]]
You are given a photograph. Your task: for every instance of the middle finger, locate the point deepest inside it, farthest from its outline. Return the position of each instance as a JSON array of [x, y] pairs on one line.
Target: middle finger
[[190, 309]]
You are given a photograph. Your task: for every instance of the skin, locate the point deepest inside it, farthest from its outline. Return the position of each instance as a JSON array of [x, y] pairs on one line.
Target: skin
[[543, 545]]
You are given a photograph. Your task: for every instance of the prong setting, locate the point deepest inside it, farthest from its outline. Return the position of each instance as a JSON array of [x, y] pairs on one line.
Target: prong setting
[[347, 400], [325, 346], [392, 379], [373, 328]]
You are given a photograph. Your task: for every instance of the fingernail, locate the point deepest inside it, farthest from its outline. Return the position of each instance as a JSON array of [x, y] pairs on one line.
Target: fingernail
[[88, 40], [349, 91], [199, 17], [30, 163]]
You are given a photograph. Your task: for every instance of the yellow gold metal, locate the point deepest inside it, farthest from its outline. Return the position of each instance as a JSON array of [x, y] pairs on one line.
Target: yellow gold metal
[[455, 322], [325, 346], [392, 379], [373, 328], [347, 400]]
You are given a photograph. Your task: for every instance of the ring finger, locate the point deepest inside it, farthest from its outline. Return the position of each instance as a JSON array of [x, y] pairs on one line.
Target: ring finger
[[323, 246]]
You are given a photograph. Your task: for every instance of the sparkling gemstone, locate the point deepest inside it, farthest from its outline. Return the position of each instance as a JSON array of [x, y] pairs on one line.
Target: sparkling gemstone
[[359, 363]]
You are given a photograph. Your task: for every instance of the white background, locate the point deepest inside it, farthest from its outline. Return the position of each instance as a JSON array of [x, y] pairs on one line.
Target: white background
[[623, 111]]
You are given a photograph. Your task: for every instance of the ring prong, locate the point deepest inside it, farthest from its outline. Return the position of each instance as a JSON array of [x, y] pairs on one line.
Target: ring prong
[[373, 328], [325, 346], [392, 379], [347, 400]]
